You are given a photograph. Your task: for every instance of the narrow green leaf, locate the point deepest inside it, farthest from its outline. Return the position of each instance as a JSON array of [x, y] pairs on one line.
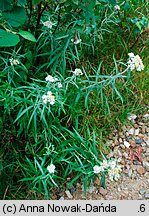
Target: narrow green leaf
[[22, 113], [103, 181], [27, 35]]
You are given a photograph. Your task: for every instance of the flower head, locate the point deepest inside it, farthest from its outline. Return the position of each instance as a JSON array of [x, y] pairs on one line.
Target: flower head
[[49, 78], [48, 24], [132, 117], [112, 164], [59, 85], [138, 63], [14, 61], [51, 98], [135, 62], [97, 169], [51, 168], [104, 164], [117, 7], [111, 167], [77, 72], [131, 55], [48, 98], [114, 174], [76, 40], [45, 99]]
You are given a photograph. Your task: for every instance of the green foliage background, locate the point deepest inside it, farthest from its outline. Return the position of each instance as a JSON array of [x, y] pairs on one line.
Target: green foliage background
[[71, 134]]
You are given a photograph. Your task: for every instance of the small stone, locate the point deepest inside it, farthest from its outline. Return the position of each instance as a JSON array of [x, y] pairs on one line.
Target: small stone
[[97, 181], [127, 134], [146, 115], [141, 136], [131, 131], [136, 126], [142, 191], [120, 134], [72, 190], [137, 132], [111, 154], [134, 167], [61, 198], [91, 189], [130, 173], [68, 194], [143, 130], [96, 191], [132, 143], [110, 137], [128, 167], [140, 170], [136, 162], [109, 197], [116, 148], [119, 153], [146, 196], [124, 128], [138, 141], [132, 117], [126, 171], [122, 146], [133, 176], [119, 189], [123, 162], [146, 165], [120, 140], [78, 185], [125, 155], [128, 138], [103, 191], [147, 141], [109, 142], [126, 144], [141, 123], [143, 145], [146, 154], [116, 142], [147, 176]]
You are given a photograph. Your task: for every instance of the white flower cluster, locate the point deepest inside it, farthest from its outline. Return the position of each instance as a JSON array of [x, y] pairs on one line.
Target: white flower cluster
[[114, 171], [52, 79], [111, 166], [49, 78], [117, 7], [97, 169], [48, 98], [77, 72], [76, 40], [135, 62], [51, 168], [14, 61], [48, 24]]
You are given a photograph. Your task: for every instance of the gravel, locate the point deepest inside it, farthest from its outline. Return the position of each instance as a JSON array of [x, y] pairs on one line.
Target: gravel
[[131, 145], [146, 165], [138, 141]]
